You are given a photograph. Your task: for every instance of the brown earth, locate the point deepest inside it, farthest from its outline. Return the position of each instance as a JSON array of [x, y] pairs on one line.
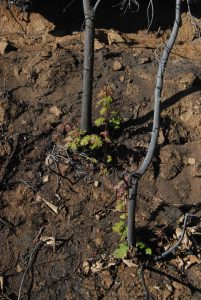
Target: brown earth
[[40, 91]]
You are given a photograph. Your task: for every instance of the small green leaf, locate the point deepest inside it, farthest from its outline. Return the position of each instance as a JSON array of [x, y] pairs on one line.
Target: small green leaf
[[109, 159], [123, 217], [85, 140], [94, 161], [148, 251], [121, 251], [96, 142], [120, 206], [119, 227], [99, 122], [72, 146], [140, 245], [103, 111]]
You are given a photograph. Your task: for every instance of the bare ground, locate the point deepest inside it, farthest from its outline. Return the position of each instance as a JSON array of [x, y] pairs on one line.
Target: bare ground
[[41, 89]]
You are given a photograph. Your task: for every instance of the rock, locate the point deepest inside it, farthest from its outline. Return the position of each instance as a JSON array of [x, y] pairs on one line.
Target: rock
[[86, 267], [97, 267], [144, 60], [161, 138], [107, 280], [191, 161], [45, 178], [117, 66], [114, 38], [96, 183], [98, 45], [121, 79], [3, 47], [55, 111]]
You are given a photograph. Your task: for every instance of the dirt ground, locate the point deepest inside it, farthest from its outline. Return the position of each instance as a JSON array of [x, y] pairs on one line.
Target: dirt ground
[[40, 92]]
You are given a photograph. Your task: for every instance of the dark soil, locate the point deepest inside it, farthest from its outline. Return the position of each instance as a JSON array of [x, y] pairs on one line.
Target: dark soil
[[41, 90]]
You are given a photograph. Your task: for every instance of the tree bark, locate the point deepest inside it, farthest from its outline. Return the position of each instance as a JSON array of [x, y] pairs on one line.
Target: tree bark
[[86, 112], [155, 130]]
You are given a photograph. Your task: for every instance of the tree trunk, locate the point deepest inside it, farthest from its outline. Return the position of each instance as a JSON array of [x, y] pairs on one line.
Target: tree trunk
[[86, 112]]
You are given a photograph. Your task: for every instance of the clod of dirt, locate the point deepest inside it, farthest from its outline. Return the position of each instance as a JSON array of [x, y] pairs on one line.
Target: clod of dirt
[[194, 275], [171, 162], [9, 110], [107, 280], [197, 170], [5, 149]]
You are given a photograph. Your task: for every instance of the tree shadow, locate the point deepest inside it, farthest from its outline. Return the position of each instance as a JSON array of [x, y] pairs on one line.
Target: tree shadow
[[192, 288], [196, 87]]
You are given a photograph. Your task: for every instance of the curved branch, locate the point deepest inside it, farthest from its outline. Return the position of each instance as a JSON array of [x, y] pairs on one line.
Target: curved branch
[[156, 121]]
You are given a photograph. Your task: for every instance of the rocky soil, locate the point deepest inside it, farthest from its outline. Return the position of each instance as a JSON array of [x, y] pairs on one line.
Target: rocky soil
[[66, 250]]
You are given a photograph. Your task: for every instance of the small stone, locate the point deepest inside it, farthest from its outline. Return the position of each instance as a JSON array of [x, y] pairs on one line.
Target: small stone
[[86, 267], [144, 60], [114, 38], [3, 47], [97, 267], [98, 45], [107, 280], [161, 138], [98, 217], [96, 183], [55, 111], [18, 268], [49, 160], [117, 66], [121, 79], [191, 161], [45, 178]]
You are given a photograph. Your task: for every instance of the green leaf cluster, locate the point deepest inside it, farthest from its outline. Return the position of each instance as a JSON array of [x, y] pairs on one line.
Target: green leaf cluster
[[107, 117], [121, 251], [142, 246], [77, 140]]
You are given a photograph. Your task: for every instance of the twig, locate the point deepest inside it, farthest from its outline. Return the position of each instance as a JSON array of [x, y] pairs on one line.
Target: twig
[[150, 6], [146, 291], [194, 22], [162, 256], [29, 265], [174, 247]]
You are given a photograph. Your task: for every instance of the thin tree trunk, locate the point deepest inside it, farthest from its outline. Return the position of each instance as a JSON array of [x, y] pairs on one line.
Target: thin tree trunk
[[86, 113], [155, 130]]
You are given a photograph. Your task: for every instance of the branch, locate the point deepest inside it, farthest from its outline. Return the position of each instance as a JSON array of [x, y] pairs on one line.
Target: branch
[[174, 247], [96, 6]]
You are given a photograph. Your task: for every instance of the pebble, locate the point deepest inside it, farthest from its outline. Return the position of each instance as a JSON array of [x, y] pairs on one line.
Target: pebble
[[117, 66], [3, 47]]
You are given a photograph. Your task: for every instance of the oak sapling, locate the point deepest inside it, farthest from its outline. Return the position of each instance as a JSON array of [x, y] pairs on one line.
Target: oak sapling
[[98, 145]]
